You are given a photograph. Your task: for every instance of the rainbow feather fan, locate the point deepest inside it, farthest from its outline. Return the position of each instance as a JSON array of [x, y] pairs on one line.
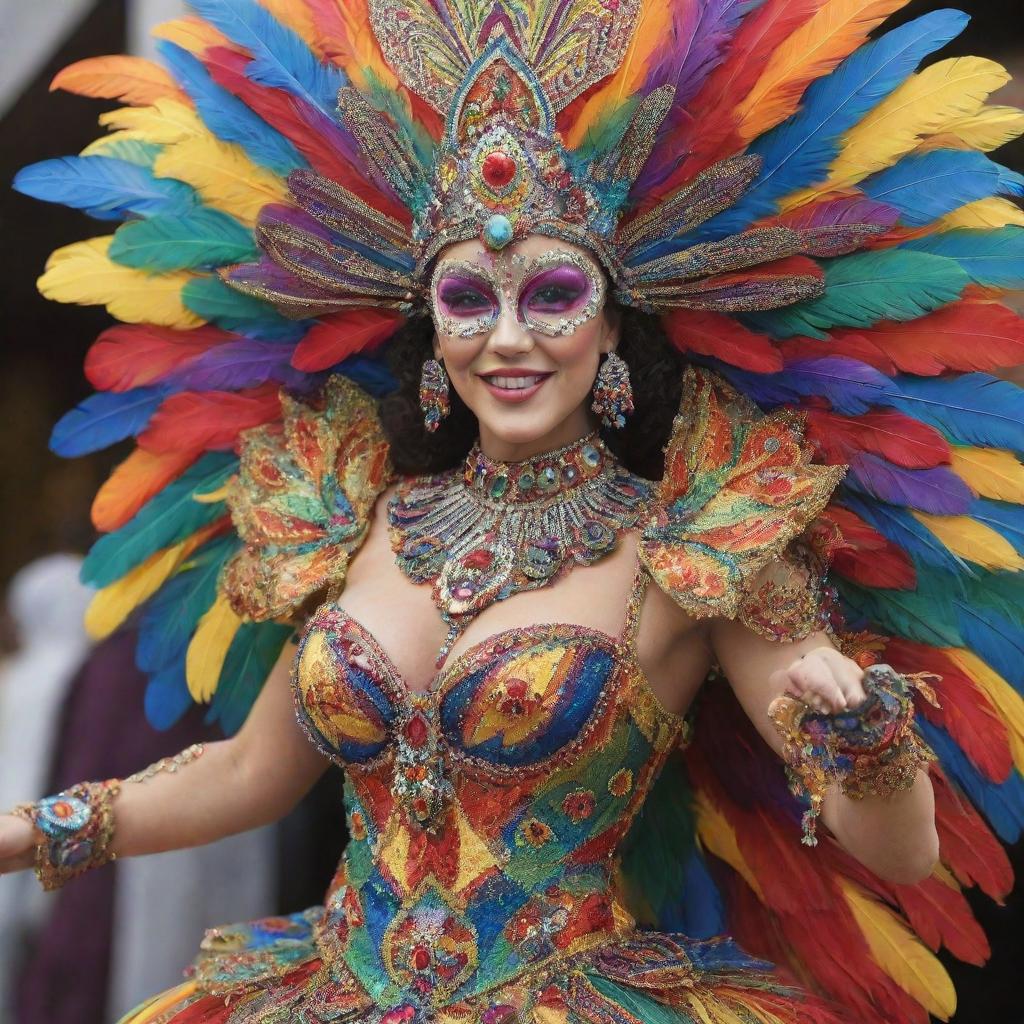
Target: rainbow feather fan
[[892, 354]]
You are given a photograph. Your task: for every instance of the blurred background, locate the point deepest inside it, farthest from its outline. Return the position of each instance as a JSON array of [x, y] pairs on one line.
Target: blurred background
[[44, 500]]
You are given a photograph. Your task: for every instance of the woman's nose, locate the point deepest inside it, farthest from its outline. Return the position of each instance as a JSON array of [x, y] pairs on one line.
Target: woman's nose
[[509, 336]]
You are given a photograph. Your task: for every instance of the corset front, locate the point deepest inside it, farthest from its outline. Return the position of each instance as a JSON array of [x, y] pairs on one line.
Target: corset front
[[484, 814]]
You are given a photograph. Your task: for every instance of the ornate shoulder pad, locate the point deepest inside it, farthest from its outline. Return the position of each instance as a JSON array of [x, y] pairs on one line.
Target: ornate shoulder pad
[[302, 499], [738, 487]]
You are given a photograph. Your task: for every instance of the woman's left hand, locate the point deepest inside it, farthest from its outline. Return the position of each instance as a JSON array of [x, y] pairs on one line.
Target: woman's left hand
[[823, 679]]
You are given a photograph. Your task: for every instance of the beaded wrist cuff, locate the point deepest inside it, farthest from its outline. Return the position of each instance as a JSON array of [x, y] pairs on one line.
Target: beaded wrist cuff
[[78, 830], [872, 750]]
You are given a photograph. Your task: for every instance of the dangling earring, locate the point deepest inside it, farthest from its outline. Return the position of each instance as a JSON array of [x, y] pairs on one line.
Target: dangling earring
[[613, 393], [434, 400]]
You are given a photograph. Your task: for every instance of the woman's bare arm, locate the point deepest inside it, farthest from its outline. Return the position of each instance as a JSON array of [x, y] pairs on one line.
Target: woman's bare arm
[[252, 779], [894, 836]]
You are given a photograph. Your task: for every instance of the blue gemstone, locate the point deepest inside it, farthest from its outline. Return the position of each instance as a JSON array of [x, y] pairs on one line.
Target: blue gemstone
[[497, 231]]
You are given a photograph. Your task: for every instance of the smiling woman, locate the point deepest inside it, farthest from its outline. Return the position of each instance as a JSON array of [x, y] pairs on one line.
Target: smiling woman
[[505, 611]]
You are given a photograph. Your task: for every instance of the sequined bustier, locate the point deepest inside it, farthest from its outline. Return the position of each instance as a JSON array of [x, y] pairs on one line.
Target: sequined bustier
[[485, 813]]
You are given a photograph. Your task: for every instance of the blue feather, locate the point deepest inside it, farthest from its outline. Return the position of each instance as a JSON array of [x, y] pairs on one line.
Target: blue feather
[[167, 697], [994, 259], [280, 58], [995, 639], [974, 408], [216, 302], [252, 654], [852, 387], [798, 152], [170, 616], [371, 375], [1003, 517], [1001, 803], [104, 187], [929, 185], [170, 516], [701, 914], [103, 419], [227, 116]]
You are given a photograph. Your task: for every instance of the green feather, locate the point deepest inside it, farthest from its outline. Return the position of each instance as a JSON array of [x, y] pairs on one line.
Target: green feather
[[196, 238], [926, 615], [606, 133], [862, 289], [169, 517], [631, 1000], [216, 302]]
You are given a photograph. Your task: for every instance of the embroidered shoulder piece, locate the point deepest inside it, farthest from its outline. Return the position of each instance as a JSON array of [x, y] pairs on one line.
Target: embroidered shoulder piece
[[302, 500], [738, 487]]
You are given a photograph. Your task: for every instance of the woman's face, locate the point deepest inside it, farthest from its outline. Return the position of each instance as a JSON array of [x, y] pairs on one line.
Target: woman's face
[[522, 333]]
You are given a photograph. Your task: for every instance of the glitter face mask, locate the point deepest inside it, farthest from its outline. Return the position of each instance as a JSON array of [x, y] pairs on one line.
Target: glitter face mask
[[552, 294]]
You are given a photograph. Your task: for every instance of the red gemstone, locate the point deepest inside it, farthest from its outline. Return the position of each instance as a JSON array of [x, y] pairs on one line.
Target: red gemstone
[[420, 959], [498, 169], [481, 558], [416, 732]]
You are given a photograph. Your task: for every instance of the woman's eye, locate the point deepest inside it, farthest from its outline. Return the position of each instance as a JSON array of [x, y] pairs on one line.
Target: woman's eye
[[558, 290], [553, 295], [463, 300]]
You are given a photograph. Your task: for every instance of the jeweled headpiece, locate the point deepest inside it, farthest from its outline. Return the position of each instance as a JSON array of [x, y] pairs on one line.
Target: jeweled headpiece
[[510, 81]]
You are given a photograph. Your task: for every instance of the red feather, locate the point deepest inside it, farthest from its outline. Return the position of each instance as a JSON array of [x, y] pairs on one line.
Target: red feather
[[847, 343], [209, 419], [709, 132], [968, 848], [969, 335], [893, 435], [865, 556], [720, 336], [284, 112], [141, 476], [133, 355], [335, 337], [965, 712]]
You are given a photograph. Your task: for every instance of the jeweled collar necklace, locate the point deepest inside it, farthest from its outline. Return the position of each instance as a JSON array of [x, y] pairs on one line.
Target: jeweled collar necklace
[[488, 530]]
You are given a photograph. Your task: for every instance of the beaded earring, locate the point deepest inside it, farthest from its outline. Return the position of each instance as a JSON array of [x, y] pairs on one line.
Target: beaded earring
[[434, 398], [613, 392]]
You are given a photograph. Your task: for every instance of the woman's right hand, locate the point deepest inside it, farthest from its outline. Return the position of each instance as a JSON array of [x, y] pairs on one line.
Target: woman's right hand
[[18, 841]]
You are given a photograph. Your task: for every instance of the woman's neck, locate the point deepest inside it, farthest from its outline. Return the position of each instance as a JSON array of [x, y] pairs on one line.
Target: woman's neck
[[571, 429]]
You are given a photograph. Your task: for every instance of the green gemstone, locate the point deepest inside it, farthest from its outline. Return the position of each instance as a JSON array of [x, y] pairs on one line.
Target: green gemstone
[[548, 478], [499, 485]]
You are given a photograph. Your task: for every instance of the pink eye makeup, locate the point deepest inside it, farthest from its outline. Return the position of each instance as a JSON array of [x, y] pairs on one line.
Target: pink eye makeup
[[464, 301], [561, 291]]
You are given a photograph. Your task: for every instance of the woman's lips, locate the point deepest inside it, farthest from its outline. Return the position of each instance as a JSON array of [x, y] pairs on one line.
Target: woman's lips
[[514, 387]]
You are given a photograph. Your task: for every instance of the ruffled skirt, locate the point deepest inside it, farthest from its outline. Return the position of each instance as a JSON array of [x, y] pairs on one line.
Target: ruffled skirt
[[272, 972]]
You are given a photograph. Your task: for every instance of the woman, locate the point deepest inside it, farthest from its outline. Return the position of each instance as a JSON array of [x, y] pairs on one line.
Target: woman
[[523, 185]]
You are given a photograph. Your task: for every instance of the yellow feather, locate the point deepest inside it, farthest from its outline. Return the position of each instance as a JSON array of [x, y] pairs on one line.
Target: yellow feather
[[984, 213], [191, 33], [1005, 699], [901, 954], [209, 648], [163, 122], [988, 129], [973, 541], [657, 21], [990, 472], [295, 16], [222, 174], [83, 274], [813, 50], [718, 836], [924, 104], [113, 604]]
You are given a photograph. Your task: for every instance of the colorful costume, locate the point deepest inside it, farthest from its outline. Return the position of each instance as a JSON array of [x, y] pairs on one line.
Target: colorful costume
[[818, 227]]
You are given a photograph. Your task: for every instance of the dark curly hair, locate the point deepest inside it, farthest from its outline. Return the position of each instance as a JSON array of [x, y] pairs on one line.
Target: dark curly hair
[[655, 369]]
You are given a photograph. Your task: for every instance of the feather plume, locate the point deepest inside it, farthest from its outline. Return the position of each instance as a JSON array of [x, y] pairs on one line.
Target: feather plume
[[722, 337], [900, 439], [209, 648], [862, 289], [923, 105], [84, 274], [847, 343], [972, 541], [938, 490], [103, 187], [901, 955], [134, 482], [208, 420], [865, 556], [104, 419], [334, 338], [813, 50], [214, 301], [238, 365], [131, 80], [988, 129], [201, 238], [1004, 698], [983, 213], [125, 357], [990, 472], [994, 259], [190, 33]]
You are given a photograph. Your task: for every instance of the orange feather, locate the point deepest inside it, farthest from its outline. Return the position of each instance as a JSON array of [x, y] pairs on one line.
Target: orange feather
[[131, 80], [141, 476]]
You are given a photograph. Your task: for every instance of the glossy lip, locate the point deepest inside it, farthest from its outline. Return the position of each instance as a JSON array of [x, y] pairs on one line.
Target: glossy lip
[[514, 397]]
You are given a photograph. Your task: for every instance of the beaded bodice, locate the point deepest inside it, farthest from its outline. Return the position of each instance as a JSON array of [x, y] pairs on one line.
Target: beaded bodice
[[485, 813]]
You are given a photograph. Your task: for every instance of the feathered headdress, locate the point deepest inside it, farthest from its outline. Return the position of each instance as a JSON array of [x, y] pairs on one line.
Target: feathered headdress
[[817, 220]]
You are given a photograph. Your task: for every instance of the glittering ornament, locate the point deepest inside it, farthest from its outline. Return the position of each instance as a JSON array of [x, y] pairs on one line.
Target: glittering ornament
[[498, 231], [613, 393], [434, 396]]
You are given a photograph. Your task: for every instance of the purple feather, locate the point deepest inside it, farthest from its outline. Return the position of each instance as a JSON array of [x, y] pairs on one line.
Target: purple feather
[[938, 491], [239, 364], [841, 212], [274, 214]]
